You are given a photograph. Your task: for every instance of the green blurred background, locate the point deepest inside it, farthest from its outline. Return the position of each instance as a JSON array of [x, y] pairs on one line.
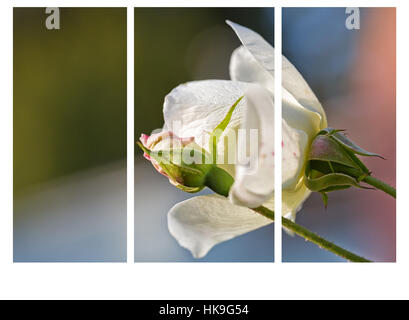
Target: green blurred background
[[69, 92]]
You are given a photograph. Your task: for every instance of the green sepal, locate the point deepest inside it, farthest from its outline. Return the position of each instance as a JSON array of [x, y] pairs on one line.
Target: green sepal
[[217, 132], [187, 177], [324, 199], [324, 182], [348, 144], [189, 189]]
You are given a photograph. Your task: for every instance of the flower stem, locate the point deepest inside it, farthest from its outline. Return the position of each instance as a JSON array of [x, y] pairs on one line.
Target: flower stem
[[310, 236], [265, 212], [321, 242], [380, 185]]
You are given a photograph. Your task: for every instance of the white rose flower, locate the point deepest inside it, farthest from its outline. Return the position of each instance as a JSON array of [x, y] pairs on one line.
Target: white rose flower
[[198, 107]]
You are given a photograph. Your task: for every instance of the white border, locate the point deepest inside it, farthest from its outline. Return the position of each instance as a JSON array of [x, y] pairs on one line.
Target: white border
[[6, 136], [130, 194], [277, 134], [216, 281], [205, 3]]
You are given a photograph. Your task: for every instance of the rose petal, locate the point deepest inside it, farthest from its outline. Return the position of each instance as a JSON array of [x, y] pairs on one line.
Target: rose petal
[[254, 182], [194, 109], [201, 222], [244, 67], [295, 84], [299, 127], [293, 200], [292, 80], [294, 146], [261, 50]]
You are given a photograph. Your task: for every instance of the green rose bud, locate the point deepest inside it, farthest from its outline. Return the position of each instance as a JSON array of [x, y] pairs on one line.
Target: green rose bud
[[188, 166], [332, 163]]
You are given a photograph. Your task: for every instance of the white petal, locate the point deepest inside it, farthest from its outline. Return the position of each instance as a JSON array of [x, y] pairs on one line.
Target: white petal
[[294, 147], [293, 200], [294, 83], [292, 80], [298, 116], [201, 222], [244, 67], [299, 127], [194, 109], [261, 50], [254, 182]]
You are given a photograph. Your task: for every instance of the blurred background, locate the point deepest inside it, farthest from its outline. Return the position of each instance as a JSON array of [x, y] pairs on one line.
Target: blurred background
[[353, 74], [70, 126], [173, 46], [70, 135]]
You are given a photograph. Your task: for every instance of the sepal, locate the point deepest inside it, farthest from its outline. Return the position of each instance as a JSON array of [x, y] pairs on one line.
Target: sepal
[[332, 163]]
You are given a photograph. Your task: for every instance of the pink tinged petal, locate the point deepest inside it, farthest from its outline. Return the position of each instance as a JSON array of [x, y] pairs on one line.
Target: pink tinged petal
[[254, 182], [200, 223], [171, 139], [164, 140], [155, 138], [187, 140], [144, 139], [158, 168]]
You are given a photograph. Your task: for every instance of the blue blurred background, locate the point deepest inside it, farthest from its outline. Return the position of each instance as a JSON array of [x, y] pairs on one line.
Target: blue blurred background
[[173, 46], [353, 74], [69, 138]]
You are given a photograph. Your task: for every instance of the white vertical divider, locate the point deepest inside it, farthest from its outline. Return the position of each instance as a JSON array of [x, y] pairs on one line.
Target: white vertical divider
[[277, 134], [130, 136]]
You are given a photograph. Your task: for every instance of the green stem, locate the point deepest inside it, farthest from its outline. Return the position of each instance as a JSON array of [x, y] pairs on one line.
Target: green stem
[[310, 236], [321, 242], [265, 212], [380, 185]]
